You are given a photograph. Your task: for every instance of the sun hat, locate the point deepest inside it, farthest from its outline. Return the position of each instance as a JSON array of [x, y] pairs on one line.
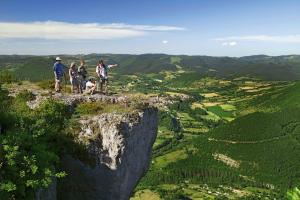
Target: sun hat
[[58, 59]]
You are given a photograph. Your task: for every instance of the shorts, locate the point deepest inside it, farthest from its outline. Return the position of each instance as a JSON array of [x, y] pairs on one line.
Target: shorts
[[58, 79], [103, 80], [74, 82]]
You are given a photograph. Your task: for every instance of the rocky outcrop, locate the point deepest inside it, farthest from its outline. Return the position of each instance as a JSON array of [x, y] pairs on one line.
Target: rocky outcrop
[[116, 149], [119, 147], [74, 99]]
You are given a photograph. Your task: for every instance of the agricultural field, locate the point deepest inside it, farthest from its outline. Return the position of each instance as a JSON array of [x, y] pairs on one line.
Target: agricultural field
[[210, 136]]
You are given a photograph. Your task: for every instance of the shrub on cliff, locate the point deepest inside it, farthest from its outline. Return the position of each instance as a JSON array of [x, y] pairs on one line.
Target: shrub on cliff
[[30, 145]]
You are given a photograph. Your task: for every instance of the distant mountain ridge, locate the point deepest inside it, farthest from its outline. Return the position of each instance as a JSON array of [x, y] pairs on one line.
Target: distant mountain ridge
[[265, 67]]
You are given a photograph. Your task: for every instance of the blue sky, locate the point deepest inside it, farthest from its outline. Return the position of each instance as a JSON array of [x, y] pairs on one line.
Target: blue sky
[[194, 27]]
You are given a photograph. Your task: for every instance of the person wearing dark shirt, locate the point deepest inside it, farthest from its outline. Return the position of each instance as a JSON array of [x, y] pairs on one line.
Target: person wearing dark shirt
[[82, 74]]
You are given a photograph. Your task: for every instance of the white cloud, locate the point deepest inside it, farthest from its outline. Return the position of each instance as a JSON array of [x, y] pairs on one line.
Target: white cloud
[[264, 38], [65, 31], [229, 43], [232, 43], [143, 27], [165, 41]]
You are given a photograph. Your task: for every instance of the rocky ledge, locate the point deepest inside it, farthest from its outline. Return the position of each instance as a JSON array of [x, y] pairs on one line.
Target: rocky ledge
[[74, 99]]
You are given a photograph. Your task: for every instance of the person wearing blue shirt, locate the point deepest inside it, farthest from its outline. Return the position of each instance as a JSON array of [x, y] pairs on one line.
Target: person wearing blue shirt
[[58, 69]]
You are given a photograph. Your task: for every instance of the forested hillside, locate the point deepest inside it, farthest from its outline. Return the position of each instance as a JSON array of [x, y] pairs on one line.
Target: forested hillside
[[264, 67]]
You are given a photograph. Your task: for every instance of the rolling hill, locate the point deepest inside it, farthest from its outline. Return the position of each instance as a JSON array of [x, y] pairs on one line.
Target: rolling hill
[[262, 67]]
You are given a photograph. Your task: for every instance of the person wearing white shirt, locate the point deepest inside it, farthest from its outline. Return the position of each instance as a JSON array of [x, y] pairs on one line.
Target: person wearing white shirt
[[102, 73], [90, 86]]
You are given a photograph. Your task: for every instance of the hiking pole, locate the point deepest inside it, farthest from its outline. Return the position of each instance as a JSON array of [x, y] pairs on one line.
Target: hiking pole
[[65, 83]]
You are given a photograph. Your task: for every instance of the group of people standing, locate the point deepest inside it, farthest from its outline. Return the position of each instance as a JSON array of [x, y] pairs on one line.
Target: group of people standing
[[79, 77]]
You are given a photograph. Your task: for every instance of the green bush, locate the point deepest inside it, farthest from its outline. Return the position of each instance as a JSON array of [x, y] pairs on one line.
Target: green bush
[[6, 77], [293, 194], [30, 145], [25, 95]]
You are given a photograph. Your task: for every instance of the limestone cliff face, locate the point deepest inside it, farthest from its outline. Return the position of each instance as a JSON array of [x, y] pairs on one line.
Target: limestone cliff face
[[120, 147]]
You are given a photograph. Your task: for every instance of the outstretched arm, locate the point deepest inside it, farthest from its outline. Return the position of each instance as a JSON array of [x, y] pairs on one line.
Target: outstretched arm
[[111, 66]]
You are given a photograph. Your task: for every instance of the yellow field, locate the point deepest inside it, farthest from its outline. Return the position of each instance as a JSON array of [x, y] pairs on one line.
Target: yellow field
[[210, 95], [197, 105], [208, 104], [145, 195]]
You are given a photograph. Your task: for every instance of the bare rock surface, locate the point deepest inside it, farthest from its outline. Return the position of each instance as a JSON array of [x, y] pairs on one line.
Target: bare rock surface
[[120, 147], [74, 99]]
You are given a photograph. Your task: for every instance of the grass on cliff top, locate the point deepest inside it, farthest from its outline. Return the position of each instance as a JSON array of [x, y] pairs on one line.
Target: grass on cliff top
[[146, 194], [93, 108]]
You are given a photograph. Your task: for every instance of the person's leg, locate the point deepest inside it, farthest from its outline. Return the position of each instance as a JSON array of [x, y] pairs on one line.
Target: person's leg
[[98, 82], [60, 83], [83, 84], [105, 86], [80, 88], [72, 85], [101, 86], [56, 85], [92, 90], [78, 85]]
